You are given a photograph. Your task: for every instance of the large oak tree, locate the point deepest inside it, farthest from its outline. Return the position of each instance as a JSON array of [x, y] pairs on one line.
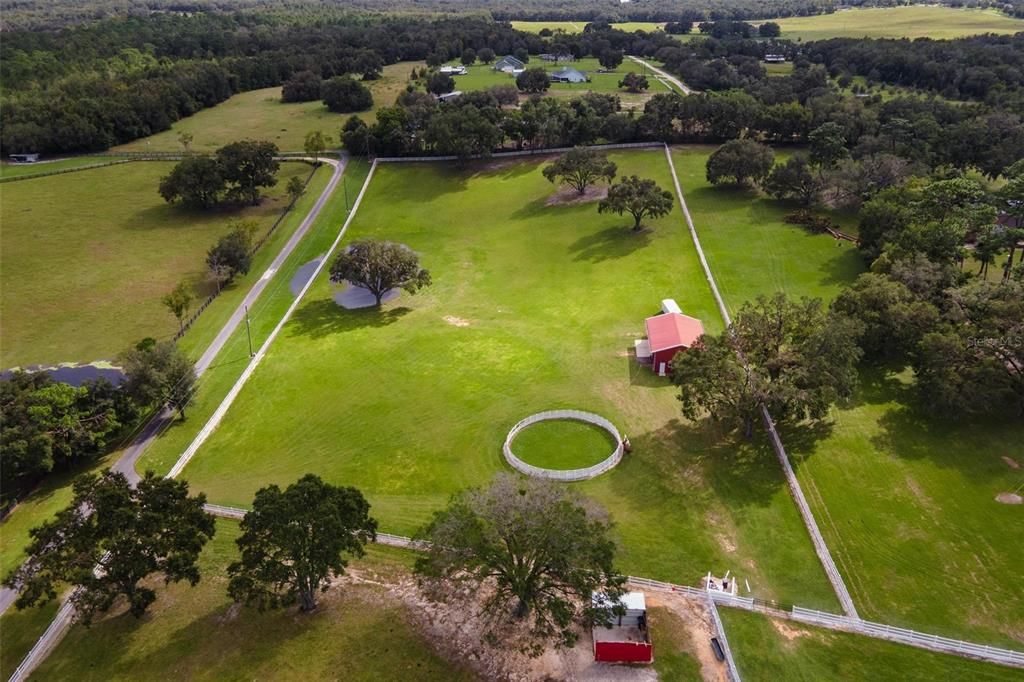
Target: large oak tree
[[579, 168], [110, 539], [380, 266], [530, 551], [639, 197]]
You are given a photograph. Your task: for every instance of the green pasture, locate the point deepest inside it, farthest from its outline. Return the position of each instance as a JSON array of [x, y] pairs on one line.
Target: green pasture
[[82, 249], [913, 21], [767, 649], [14, 170], [906, 504], [260, 114], [196, 633], [577, 26], [483, 76], [563, 444], [534, 307]]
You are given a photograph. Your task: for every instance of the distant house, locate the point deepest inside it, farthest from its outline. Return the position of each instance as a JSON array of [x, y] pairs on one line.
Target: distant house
[[449, 96], [667, 334], [548, 57], [23, 158], [568, 75], [453, 70], [775, 58], [509, 64]]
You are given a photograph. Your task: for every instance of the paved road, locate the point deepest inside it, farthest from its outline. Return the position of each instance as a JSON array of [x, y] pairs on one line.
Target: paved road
[[126, 462], [665, 76]]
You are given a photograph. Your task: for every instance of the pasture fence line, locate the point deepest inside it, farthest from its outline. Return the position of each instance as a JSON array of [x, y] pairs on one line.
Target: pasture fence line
[[534, 151], [723, 640], [812, 617], [563, 474], [62, 171], [187, 324], [820, 548]]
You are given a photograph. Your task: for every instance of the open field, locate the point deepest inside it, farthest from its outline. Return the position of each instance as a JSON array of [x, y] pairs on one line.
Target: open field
[[768, 649], [915, 21], [260, 115], [577, 26], [563, 444], [359, 633], [482, 76], [72, 267], [412, 422], [906, 504], [55, 493]]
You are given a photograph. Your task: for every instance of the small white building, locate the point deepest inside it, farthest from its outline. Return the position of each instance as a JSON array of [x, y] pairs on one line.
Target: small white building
[[23, 158], [669, 305], [775, 58], [449, 96], [451, 70]]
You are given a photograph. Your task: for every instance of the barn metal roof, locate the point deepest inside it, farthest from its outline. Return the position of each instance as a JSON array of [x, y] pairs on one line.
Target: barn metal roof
[[672, 330]]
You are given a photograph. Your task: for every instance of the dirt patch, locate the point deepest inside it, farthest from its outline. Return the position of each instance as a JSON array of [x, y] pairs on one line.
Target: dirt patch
[[788, 632], [1009, 498], [700, 629], [1011, 462], [456, 321], [568, 196], [918, 492]]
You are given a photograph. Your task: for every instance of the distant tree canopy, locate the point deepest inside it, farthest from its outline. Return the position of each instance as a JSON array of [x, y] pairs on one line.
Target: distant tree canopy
[[130, 533], [533, 80], [440, 83], [196, 181], [345, 94], [303, 86], [634, 82], [739, 161]]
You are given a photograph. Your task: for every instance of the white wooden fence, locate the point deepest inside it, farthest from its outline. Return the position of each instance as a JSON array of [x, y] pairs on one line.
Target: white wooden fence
[[563, 474]]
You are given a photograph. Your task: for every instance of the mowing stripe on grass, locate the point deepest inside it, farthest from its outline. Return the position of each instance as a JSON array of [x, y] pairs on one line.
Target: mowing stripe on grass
[[820, 548]]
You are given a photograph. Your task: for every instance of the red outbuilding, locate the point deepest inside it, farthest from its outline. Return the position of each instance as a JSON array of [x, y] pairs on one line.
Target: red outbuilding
[[669, 333]]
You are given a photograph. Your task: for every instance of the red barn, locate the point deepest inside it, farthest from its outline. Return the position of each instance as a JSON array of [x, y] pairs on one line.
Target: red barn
[[626, 640], [669, 333]]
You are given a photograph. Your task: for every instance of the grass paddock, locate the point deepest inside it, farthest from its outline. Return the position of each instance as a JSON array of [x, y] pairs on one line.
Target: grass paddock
[[913, 21], [563, 444]]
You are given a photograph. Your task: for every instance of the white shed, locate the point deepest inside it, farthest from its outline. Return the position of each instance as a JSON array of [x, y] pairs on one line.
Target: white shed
[[635, 605], [669, 305]]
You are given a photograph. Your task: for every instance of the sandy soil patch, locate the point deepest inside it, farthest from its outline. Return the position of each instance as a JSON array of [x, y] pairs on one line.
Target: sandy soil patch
[[568, 196], [1009, 498], [1011, 462], [788, 632], [456, 321], [700, 627]]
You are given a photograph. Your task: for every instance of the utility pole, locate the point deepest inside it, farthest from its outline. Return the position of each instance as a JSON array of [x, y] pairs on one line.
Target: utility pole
[[344, 186], [248, 331]]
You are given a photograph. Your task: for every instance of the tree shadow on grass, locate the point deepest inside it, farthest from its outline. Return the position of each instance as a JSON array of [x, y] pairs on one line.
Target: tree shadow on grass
[[611, 242], [324, 317], [844, 266]]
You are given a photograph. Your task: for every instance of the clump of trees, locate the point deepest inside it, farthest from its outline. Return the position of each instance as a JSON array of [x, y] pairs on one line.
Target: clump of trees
[[533, 80], [379, 267], [303, 86], [794, 357], [130, 534], [531, 552], [639, 197], [740, 161], [236, 172], [159, 374], [580, 168], [634, 82], [344, 94], [294, 542], [232, 254]]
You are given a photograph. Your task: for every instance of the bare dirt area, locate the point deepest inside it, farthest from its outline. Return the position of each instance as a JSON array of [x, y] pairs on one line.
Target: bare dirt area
[[1011, 462], [568, 196], [1009, 498], [699, 629], [456, 321]]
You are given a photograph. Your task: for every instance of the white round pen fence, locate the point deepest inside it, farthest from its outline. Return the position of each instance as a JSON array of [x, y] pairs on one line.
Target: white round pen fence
[[563, 474]]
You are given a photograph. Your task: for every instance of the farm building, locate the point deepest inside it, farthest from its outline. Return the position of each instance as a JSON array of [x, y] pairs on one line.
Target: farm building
[[547, 57], [568, 75], [23, 158], [667, 334], [453, 70], [448, 96], [627, 639], [775, 58], [508, 64]]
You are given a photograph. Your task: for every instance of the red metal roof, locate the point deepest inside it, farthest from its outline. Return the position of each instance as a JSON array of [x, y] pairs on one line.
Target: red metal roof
[[672, 330]]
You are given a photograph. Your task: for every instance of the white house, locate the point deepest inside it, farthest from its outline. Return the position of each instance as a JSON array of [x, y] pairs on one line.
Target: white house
[[509, 64]]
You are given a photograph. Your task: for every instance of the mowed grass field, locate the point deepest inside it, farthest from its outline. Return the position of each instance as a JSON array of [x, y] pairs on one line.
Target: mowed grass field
[[914, 21], [358, 633], [260, 115], [533, 307], [563, 444], [87, 256], [577, 26], [483, 76], [906, 503], [768, 649]]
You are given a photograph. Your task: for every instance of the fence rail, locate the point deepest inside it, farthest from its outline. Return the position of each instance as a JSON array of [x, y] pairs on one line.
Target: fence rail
[[538, 151], [563, 474], [723, 640]]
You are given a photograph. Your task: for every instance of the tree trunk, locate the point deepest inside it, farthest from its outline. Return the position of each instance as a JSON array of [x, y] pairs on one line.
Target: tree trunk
[[308, 600], [637, 217], [748, 427], [379, 295], [522, 608]]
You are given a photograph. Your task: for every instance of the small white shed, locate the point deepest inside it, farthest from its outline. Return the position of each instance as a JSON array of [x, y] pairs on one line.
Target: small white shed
[[669, 305], [635, 605]]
